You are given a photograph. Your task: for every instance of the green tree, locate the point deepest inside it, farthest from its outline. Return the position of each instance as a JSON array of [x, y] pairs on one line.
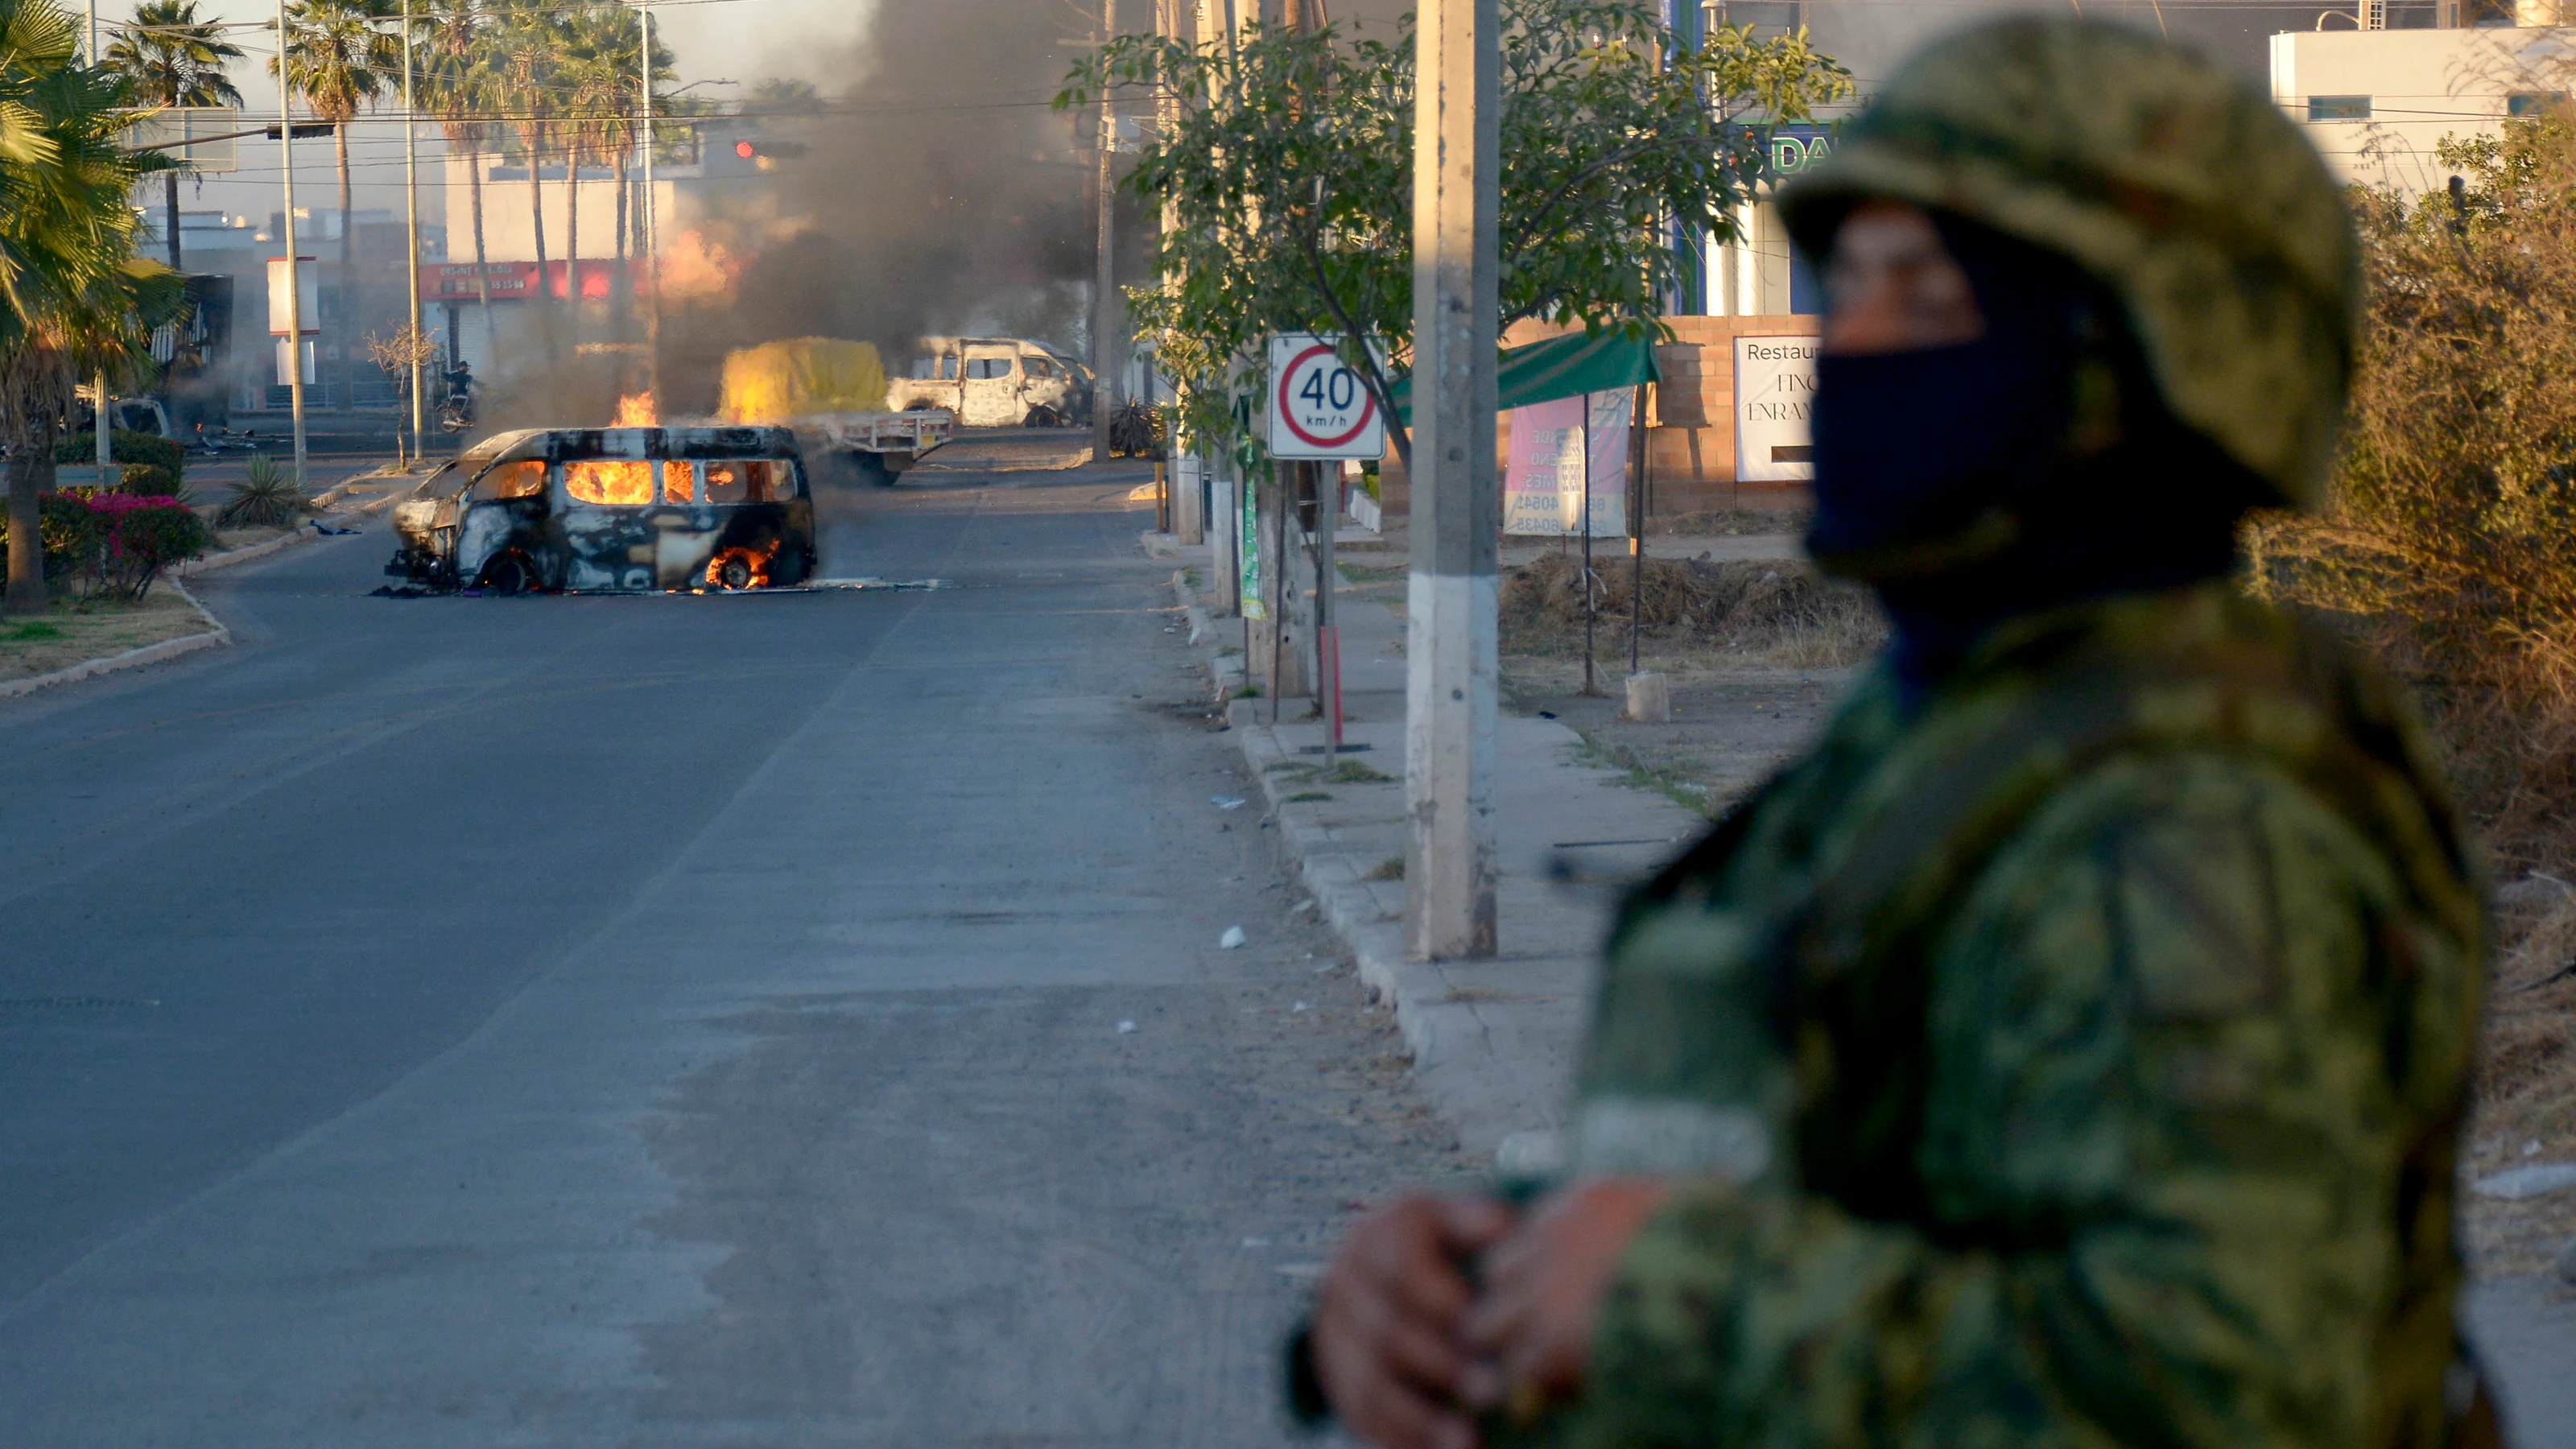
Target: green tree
[[341, 58], [1286, 163], [74, 298], [527, 52], [171, 58], [451, 44]]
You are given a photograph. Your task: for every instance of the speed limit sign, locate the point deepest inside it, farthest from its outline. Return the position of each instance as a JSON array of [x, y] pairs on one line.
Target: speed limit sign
[[1319, 405]]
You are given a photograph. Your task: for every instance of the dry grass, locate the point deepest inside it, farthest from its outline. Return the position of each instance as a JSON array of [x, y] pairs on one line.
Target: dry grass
[[2448, 544], [1767, 613], [76, 632]]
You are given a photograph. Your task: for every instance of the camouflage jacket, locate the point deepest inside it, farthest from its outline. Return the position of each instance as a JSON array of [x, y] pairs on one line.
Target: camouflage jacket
[[2072, 1058]]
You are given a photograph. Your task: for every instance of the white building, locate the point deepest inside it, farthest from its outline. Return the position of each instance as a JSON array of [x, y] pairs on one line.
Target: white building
[[2378, 102]]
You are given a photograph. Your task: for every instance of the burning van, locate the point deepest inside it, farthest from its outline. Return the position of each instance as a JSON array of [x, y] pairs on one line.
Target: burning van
[[626, 510]]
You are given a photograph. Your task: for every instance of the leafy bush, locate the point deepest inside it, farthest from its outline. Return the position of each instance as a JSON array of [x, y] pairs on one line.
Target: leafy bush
[[72, 532], [125, 447], [150, 480], [2450, 532], [265, 498], [144, 536]]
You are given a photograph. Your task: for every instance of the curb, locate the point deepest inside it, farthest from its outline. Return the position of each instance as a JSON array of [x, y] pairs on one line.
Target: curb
[[131, 658], [193, 567], [1225, 670], [1469, 1053]]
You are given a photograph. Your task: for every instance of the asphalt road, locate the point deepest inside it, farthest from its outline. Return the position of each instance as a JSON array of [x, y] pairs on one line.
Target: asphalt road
[[670, 1020]]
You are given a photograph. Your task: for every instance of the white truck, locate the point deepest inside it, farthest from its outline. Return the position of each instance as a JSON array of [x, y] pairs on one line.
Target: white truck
[[995, 382]]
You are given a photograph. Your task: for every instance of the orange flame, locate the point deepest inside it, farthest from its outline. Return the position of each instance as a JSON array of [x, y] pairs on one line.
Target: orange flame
[[755, 566], [638, 410]]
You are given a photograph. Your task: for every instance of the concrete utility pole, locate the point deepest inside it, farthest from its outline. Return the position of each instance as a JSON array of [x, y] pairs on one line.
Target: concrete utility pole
[[1104, 284], [1450, 599], [411, 205], [652, 243], [294, 268]]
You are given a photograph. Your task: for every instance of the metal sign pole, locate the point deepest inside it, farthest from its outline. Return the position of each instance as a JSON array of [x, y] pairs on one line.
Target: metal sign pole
[[652, 241], [411, 202], [294, 266]]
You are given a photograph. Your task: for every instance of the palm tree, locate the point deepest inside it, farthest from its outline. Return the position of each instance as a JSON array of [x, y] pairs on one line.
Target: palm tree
[[74, 298], [341, 58], [527, 47], [171, 58], [457, 83], [595, 82]]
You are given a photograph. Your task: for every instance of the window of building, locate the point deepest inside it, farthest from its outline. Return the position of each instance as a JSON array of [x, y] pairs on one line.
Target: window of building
[[2533, 103], [616, 483], [511, 480], [2338, 108]]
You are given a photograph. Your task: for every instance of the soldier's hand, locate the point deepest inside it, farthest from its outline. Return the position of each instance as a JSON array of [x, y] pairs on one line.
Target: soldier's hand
[[1389, 1337], [1545, 1283]]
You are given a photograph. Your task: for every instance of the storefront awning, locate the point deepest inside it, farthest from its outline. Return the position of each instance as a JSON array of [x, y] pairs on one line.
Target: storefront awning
[[1567, 366]]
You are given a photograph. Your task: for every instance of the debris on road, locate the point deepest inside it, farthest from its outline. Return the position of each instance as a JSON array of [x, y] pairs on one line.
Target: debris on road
[[1226, 802], [1232, 938], [1125, 1027]]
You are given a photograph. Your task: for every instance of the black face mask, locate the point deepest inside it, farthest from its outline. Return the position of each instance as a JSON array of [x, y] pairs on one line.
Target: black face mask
[[1947, 480], [1915, 446]]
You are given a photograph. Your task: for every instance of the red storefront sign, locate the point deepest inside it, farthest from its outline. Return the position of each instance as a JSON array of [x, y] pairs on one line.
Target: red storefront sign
[[515, 281]]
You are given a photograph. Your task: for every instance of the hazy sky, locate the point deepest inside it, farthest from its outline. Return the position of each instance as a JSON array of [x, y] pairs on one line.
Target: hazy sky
[[742, 40]]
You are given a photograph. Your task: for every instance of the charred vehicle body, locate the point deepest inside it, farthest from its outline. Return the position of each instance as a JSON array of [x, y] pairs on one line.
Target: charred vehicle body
[[625, 510]]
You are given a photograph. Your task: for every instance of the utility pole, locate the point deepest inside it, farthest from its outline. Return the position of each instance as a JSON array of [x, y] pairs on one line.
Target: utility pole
[[294, 267], [104, 416], [1449, 869], [652, 247], [411, 205], [1104, 302]]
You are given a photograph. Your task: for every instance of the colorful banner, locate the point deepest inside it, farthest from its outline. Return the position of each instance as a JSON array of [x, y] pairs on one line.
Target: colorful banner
[[1557, 448], [1248, 552]]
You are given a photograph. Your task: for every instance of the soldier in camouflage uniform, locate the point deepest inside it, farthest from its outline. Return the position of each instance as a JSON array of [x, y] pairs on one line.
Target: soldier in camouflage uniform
[[2068, 1050]]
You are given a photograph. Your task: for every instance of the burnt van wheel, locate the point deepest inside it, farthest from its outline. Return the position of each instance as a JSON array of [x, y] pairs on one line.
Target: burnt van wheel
[[509, 574], [734, 573], [1041, 417]]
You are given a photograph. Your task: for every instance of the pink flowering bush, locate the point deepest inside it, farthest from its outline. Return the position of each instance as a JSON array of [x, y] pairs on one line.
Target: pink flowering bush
[[114, 543]]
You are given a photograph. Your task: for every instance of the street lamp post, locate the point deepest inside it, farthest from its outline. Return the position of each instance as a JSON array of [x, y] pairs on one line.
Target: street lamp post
[[411, 202], [652, 241], [294, 271]]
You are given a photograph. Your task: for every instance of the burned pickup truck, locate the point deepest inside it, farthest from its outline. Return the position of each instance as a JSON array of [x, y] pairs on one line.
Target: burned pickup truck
[[623, 510]]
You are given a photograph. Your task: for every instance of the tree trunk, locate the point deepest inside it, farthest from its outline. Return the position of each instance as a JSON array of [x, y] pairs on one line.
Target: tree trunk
[[170, 211], [482, 258], [31, 471], [348, 280]]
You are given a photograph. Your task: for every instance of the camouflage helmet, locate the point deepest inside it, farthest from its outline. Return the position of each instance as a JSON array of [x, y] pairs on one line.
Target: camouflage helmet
[[2173, 183]]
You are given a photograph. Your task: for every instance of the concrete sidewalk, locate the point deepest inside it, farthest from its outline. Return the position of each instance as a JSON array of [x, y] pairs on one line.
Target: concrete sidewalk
[[1493, 1041]]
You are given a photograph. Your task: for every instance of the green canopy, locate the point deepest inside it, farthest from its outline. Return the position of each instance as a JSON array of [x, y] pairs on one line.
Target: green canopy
[[1567, 366]]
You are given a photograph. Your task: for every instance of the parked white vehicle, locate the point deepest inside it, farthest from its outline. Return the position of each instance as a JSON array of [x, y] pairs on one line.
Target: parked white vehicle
[[995, 382]]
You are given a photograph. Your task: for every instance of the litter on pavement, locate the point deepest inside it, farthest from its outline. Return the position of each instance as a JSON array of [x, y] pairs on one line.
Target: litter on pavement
[[1232, 938]]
